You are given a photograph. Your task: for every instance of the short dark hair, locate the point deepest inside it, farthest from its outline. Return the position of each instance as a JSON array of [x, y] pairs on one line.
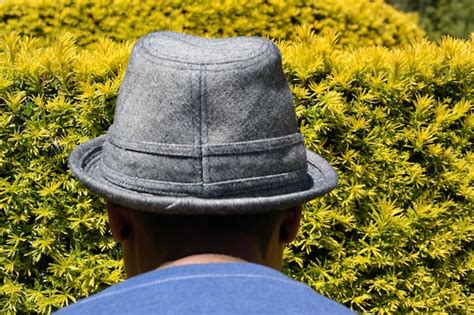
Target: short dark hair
[[258, 225]]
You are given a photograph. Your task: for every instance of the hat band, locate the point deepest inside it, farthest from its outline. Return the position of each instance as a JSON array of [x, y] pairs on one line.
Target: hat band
[[195, 150], [258, 186], [222, 169]]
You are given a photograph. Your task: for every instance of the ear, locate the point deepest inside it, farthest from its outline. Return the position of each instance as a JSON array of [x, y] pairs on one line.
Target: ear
[[119, 221], [290, 223]]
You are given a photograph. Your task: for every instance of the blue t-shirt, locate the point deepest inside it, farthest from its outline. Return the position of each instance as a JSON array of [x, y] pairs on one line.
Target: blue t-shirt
[[214, 288]]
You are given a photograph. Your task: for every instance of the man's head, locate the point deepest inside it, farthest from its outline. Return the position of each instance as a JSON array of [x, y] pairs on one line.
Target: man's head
[[205, 138], [150, 239]]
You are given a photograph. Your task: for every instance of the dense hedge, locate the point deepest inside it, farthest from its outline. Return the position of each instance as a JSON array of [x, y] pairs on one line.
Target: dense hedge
[[362, 22], [54, 240], [441, 17], [397, 124]]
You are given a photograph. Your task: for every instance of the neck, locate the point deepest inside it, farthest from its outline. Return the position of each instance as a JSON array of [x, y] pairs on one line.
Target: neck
[[201, 259], [143, 253], [139, 257]]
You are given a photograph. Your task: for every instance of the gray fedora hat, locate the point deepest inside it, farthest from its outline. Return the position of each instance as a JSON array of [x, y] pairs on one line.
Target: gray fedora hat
[[203, 126]]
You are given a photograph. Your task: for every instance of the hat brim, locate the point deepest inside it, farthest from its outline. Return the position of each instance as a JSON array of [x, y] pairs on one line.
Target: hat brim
[[84, 164]]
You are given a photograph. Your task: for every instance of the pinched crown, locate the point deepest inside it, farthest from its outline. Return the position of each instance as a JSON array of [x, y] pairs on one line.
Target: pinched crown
[[205, 117]]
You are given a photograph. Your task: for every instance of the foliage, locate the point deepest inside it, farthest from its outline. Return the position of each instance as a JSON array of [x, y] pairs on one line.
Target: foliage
[[397, 234], [442, 17], [364, 22], [397, 124], [55, 246]]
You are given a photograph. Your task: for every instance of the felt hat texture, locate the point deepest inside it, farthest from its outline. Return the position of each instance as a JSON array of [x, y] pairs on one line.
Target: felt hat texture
[[203, 126]]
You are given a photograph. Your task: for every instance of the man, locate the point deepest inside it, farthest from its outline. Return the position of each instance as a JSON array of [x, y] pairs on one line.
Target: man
[[204, 172]]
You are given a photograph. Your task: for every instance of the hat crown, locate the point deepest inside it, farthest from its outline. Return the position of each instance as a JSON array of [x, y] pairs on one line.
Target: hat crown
[[179, 86], [211, 116]]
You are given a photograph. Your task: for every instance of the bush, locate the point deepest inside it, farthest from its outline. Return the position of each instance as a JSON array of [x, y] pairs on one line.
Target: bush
[[397, 124], [441, 17], [397, 234], [55, 245], [363, 22]]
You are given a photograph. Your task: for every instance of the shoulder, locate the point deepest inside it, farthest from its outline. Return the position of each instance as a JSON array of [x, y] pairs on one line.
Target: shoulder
[[231, 288]]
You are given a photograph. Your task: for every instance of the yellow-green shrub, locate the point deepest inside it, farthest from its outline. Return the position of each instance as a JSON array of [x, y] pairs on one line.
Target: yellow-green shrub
[[55, 245], [397, 234], [397, 124], [362, 22]]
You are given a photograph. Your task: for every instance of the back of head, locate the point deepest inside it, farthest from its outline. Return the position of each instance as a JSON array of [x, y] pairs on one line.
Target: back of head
[[180, 230], [204, 147]]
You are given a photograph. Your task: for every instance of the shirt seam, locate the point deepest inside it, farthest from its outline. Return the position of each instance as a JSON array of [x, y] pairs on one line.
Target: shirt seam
[[180, 278]]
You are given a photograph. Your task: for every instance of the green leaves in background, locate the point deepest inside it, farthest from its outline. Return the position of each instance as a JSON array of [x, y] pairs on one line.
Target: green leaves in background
[[396, 123], [360, 23]]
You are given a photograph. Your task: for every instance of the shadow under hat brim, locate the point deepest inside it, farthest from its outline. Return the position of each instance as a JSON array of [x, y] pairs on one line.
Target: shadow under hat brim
[[84, 162]]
